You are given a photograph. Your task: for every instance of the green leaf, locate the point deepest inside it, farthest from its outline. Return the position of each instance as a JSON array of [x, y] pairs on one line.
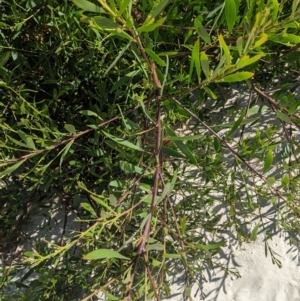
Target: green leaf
[[88, 6], [237, 77], [159, 8], [246, 60], [225, 49], [210, 92], [118, 184], [195, 61], [155, 247], [123, 5], [122, 142], [174, 256], [217, 144], [204, 64], [103, 254], [99, 201], [245, 121], [275, 10], [27, 139], [286, 180], [211, 246], [183, 225], [203, 34], [182, 147], [130, 168], [270, 181], [152, 26], [187, 291], [239, 45], [230, 14], [294, 7], [238, 122], [65, 152], [155, 57], [171, 152], [89, 113], [184, 138], [286, 39], [70, 128], [167, 189], [260, 41], [109, 296], [283, 116], [105, 23], [268, 161], [254, 233], [89, 208], [11, 169]]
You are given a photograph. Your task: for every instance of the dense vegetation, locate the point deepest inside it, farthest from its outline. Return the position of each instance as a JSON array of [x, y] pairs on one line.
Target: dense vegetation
[[91, 95]]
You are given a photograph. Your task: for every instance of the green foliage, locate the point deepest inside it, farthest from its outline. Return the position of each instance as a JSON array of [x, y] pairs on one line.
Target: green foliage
[[84, 86]]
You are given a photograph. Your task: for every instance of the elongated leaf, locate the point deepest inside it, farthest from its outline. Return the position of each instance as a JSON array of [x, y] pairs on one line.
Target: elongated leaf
[[155, 57], [187, 291], [217, 144], [159, 8], [89, 208], [245, 121], [237, 77], [183, 225], [230, 14], [109, 296], [239, 45], [294, 7], [122, 142], [225, 49], [155, 247], [103, 254], [275, 10], [11, 169], [90, 113], [254, 232], [105, 23], [283, 116], [184, 138], [152, 26], [130, 168], [175, 256], [171, 152], [123, 5], [260, 41], [211, 246], [205, 64], [101, 202], [65, 152], [167, 189], [210, 92], [268, 160], [246, 60], [203, 34], [285, 180], [27, 139], [286, 39], [88, 6], [238, 122], [195, 61], [182, 147]]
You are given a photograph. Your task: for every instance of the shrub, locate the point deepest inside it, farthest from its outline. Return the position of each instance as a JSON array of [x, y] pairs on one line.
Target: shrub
[[91, 95]]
